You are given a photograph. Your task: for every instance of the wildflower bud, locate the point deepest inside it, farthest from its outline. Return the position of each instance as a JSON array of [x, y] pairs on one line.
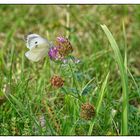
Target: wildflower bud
[[57, 81], [87, 111]]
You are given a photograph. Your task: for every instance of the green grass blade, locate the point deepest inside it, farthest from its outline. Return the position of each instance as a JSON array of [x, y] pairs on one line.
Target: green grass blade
[[134, 81], [125, 44], [22, 108], [124, 79], [100, 99], [98, 104], [87, 85]]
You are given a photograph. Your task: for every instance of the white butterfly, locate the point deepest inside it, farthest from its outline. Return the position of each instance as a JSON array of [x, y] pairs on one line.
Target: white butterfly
[[38, 47]]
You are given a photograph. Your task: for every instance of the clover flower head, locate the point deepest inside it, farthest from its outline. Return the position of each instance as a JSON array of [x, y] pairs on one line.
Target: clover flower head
[[60, 50], [64, 46], [57, 81], [87, 111]]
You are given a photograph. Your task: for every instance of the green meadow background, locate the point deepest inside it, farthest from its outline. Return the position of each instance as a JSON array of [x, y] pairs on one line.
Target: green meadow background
[[29, 105]]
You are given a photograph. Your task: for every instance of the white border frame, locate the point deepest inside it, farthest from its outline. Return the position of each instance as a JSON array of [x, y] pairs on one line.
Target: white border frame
[[70, 2]]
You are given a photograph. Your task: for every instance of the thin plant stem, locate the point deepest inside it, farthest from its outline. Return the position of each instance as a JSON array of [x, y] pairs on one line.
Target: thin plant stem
[[74, 80]]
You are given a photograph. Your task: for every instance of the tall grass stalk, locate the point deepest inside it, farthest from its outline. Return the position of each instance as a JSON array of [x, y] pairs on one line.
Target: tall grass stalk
[[125, 46], [124, 79], [67, 20]]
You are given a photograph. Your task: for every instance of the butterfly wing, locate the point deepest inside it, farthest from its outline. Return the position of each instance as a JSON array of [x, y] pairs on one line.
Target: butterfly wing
[[38, 47], [33, 40], [37, 53]]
